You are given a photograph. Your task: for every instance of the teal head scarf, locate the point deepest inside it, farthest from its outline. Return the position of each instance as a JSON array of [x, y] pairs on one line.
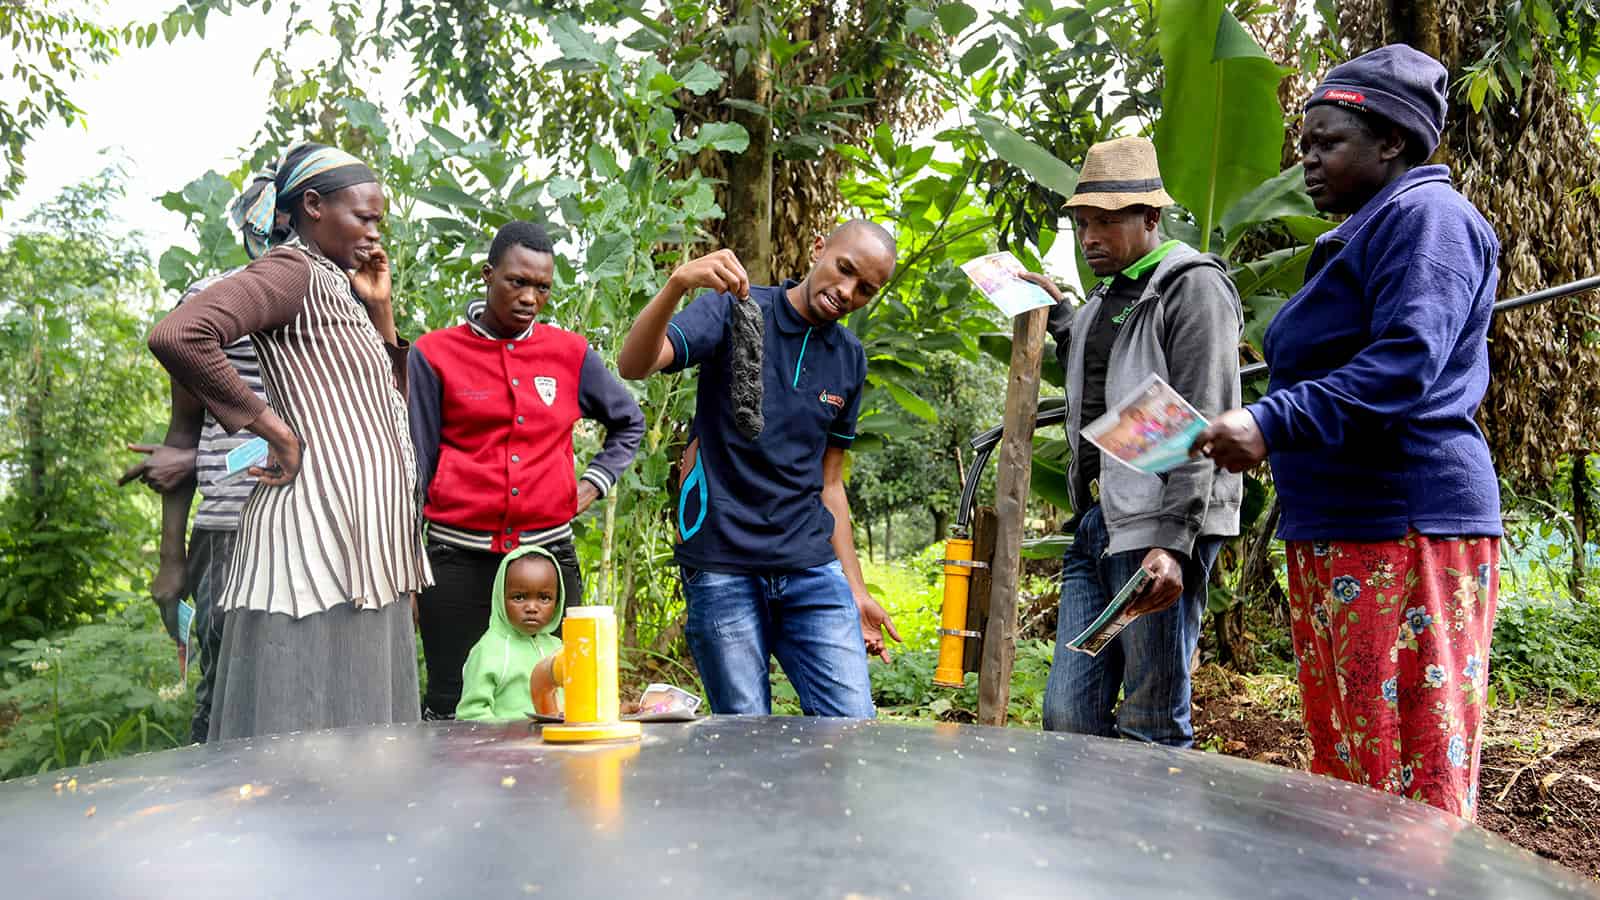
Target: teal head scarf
[[305, 167]]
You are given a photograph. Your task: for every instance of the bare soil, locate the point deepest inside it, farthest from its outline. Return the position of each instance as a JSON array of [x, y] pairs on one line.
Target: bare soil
[[1540, 782]]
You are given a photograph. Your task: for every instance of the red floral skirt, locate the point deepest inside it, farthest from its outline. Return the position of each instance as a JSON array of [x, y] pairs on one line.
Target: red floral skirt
[[1393, 643]]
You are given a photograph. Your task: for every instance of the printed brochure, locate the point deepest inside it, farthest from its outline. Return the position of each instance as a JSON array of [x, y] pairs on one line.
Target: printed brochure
[[1111, 622], [998, 276], [185, 621], [1150, 430]]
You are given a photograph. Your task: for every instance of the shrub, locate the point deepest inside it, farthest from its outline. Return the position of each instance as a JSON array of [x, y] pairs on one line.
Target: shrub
[[1548, 644], [97, 691]]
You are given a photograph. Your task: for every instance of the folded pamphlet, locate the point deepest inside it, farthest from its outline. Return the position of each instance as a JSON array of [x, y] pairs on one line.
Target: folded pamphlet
[[239, 460], [1150, 430], [1115, 617], [999, 277], [665, 698], [185, 620]]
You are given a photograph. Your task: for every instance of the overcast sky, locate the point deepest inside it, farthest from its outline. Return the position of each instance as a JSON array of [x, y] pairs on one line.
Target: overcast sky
[[169, 111], [172, 111]]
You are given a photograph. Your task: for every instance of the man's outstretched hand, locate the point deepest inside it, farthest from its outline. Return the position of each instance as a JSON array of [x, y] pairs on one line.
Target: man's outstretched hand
[[874, 623], [163, 468]]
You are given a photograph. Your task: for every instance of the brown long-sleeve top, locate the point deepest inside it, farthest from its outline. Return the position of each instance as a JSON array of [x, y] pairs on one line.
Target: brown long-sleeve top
[[269, 293], [346, 529]]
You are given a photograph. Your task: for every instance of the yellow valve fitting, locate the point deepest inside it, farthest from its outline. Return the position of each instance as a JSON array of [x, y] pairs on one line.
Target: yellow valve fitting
[[589, 679], [953, 613]]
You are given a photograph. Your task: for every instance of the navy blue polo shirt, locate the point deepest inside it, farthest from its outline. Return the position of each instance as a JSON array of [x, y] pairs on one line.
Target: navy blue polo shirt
[[756, 506]]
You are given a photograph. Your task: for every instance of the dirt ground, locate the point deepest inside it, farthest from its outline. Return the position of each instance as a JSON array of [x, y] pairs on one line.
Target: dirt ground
[[1540, 783]]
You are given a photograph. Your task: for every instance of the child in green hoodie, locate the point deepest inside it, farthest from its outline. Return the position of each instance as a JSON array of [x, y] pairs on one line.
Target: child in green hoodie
[[522, 631]]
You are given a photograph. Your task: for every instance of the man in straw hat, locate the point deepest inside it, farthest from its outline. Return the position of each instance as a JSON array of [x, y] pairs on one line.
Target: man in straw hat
[[1164, 308]]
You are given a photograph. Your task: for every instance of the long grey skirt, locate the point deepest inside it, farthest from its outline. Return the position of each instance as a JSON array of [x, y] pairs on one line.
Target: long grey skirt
[[330, 669]]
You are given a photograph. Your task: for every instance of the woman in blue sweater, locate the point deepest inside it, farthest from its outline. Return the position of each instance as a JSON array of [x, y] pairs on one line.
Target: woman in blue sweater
[[1391, 507]]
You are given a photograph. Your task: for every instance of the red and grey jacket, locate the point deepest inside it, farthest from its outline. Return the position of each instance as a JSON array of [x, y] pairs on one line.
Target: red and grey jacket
[[491, 420]]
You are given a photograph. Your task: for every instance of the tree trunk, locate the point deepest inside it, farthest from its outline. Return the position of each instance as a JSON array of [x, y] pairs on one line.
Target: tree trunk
[[630, 619], [1417, 24], [33, 426], [747, 229], [1582, 491], [888, 537], [984, 526], [605, 589], [1258, 580], [866, 522], [941, 522]]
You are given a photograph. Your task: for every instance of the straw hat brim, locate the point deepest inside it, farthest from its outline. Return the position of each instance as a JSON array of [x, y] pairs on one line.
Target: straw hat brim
[[1114, 199]]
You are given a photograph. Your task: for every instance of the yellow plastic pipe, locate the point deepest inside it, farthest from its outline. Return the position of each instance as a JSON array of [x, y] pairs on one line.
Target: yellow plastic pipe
[[953, 613]]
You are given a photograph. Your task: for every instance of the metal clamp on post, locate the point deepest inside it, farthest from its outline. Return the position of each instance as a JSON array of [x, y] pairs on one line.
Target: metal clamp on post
[[957, 632], [965, 563]]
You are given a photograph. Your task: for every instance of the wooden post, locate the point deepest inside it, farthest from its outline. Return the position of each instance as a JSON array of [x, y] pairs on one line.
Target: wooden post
[[1011, 505], [983, 529]]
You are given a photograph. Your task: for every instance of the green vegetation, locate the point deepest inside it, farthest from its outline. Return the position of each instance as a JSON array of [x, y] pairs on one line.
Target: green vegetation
[[646, 142], [93, 692]]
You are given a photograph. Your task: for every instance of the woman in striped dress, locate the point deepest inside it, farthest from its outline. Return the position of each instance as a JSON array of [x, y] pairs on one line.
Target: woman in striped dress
[[329, 555]]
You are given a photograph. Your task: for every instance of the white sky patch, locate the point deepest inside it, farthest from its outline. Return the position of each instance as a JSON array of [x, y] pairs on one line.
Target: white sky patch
[[169, 112]]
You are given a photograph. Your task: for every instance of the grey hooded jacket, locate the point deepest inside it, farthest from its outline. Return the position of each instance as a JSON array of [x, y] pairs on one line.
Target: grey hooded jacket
[[1185, 328]]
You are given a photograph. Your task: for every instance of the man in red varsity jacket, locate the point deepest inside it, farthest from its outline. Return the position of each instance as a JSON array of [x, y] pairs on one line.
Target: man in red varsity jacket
[[492, 406]]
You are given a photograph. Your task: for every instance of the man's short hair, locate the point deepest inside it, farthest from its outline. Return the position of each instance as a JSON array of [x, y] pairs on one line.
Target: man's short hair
[[873, 228], [519, 234]]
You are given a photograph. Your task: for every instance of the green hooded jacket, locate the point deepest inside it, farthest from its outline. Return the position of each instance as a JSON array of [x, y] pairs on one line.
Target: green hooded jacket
[[494, 682]]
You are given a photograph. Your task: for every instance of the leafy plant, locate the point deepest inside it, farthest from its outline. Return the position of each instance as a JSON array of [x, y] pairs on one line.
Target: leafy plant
[[93, 692], [49, 43], [1221, 128], [76, 300], [1549, 645]]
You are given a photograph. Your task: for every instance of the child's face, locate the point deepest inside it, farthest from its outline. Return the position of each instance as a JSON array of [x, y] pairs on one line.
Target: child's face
[[530, 593]]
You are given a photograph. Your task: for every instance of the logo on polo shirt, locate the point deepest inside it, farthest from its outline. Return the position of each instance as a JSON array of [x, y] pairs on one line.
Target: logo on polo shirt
[[833, 400], [546, 386], [1343, 96]]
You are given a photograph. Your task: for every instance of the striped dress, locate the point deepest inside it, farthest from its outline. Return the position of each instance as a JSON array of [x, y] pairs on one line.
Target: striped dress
[[314, 636]]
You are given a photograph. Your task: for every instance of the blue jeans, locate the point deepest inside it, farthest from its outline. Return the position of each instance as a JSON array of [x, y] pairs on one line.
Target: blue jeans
[[1148, 661], [807, 619]]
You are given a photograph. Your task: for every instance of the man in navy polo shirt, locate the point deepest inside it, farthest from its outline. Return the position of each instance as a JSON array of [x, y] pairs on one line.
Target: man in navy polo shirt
[[767, 555]]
